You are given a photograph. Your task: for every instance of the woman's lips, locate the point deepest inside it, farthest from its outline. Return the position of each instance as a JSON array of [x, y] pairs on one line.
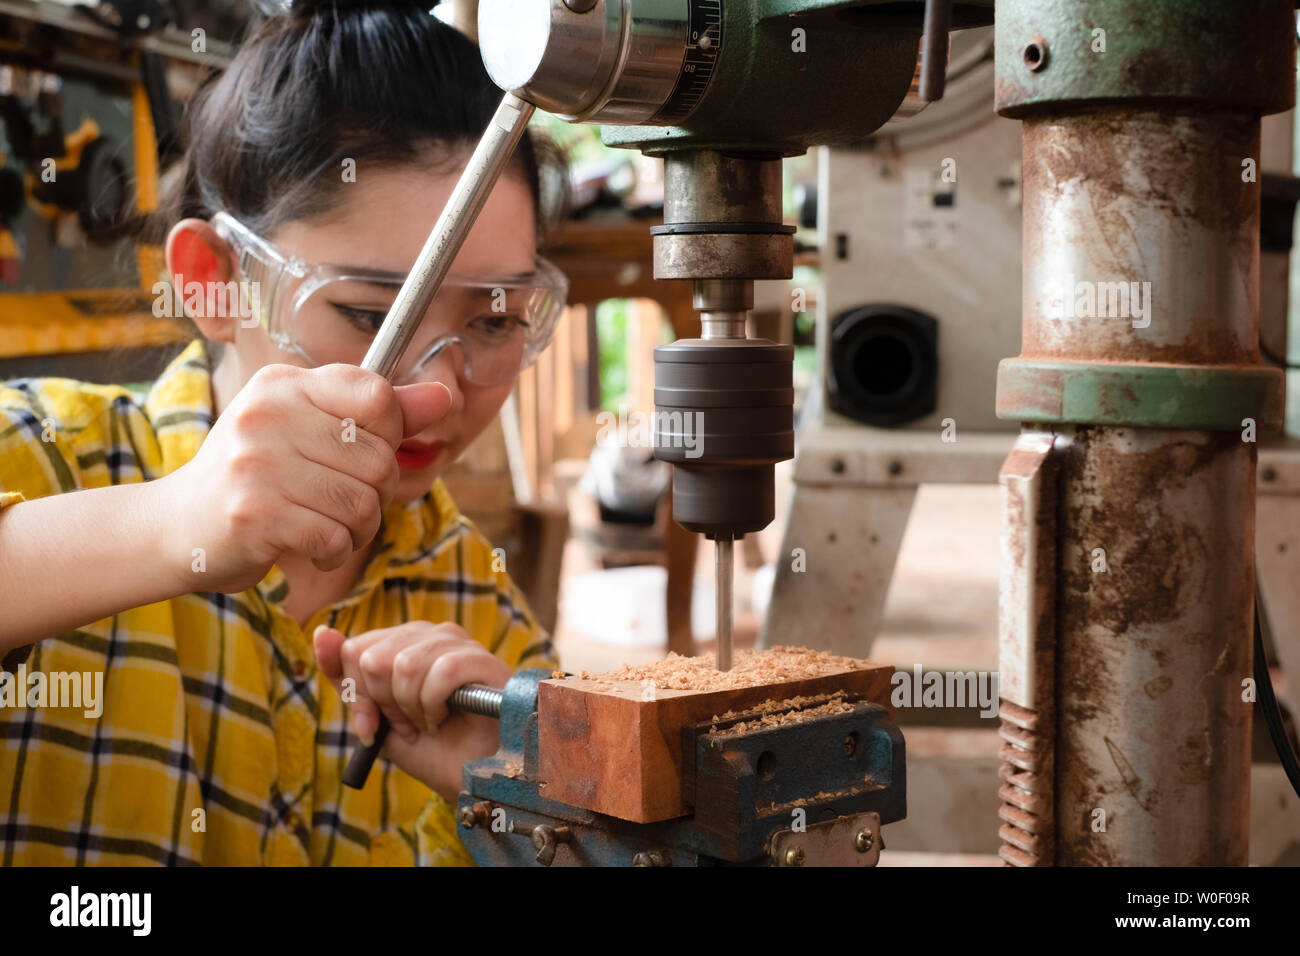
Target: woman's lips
[[414, 455]]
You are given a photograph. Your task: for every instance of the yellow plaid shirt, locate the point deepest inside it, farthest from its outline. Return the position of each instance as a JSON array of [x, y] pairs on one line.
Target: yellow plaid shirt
[[219, 742]]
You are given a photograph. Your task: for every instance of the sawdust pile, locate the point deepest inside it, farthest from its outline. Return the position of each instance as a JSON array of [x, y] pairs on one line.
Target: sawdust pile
[[749, 669]]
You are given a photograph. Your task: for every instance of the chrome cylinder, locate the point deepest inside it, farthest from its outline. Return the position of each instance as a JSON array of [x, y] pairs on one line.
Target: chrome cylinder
[[616, 62]]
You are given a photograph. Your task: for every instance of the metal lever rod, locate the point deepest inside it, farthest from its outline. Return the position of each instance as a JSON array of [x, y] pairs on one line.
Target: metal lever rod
[[477, 699], [485, 165], [934, 49], [417, 293]]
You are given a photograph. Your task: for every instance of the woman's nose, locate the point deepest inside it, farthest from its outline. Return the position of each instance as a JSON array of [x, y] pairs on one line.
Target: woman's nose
[[447, 366]]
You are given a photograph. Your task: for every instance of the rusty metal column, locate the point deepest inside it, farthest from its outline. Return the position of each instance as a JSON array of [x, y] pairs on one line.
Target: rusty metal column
[[1139, 364]]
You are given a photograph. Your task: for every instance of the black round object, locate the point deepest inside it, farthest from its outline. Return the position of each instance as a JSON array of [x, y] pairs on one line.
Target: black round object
[[884, 367], [104, 205], [12, 195], [724, 415]]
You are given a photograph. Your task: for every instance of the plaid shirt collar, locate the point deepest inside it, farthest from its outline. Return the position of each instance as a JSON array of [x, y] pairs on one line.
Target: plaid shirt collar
[[180, 405]]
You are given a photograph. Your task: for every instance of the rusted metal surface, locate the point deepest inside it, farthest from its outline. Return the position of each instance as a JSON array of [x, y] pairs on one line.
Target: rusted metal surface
[[1156, 527], [723, 255], [707, 186], [1208, 52], [845, 841], [1026, 791], [1027, 580], [1149, 197], [722, 219], [1152, 739], [1156, 556], [1026, 651]]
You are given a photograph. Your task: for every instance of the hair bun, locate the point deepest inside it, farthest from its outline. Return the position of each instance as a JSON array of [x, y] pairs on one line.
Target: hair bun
[[307, 9]]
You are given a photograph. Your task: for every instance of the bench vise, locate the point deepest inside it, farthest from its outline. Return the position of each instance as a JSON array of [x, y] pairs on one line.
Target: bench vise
[[811, 785]]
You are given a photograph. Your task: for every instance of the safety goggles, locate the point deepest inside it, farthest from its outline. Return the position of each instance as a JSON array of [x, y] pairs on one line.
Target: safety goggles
[[330, 314]]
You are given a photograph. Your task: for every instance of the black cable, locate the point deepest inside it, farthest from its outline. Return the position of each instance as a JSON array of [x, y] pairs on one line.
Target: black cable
[[1268, 701]]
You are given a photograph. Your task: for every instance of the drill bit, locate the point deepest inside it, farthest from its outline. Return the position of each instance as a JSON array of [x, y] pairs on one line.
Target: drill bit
[[722, 569]]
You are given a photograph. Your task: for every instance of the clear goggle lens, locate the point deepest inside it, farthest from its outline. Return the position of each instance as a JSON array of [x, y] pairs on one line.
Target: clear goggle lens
[[331, 314], [495, 329]]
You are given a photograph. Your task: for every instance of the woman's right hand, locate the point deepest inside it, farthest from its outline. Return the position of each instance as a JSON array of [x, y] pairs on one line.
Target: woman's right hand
[[301, 460]]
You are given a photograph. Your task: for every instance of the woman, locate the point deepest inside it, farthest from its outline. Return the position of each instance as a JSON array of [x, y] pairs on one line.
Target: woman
[[183, 550]]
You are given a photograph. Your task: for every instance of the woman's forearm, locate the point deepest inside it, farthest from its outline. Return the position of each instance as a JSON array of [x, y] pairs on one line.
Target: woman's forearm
[[67, 560]]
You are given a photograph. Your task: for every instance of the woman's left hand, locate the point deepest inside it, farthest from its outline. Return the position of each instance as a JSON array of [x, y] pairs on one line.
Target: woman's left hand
[[407, 673]]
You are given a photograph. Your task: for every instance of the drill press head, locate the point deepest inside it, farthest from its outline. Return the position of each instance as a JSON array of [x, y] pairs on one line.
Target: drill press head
[[722, 89]]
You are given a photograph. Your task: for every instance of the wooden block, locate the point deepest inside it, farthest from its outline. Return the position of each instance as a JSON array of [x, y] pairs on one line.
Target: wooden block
[[603, 746]]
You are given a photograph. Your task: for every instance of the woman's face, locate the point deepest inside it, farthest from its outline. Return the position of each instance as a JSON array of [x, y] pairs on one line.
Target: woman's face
[[382, 223]]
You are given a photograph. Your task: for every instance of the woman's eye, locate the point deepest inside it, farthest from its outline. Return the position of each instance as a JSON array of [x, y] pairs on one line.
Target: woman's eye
[[368, 320], [498, 324]]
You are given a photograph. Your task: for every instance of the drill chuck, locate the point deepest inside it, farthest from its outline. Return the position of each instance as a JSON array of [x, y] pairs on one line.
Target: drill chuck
[[724, 416]]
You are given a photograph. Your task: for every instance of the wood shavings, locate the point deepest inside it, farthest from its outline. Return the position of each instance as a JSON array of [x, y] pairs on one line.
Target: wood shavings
[[750, 669], [776, 717], [772, 706], [822, 796]]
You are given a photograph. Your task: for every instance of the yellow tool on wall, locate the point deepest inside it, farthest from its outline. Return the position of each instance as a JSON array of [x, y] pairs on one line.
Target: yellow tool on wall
[[90, 320]]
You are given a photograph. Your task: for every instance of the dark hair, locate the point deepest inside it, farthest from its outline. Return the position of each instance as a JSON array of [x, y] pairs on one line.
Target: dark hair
[[378, 83]]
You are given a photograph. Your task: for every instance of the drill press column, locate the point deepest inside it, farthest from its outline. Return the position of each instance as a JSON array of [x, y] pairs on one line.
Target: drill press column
[[1128, 741]]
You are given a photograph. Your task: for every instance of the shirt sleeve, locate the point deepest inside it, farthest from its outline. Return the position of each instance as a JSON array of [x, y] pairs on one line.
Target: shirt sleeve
[[59, 435], [30, 467]]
